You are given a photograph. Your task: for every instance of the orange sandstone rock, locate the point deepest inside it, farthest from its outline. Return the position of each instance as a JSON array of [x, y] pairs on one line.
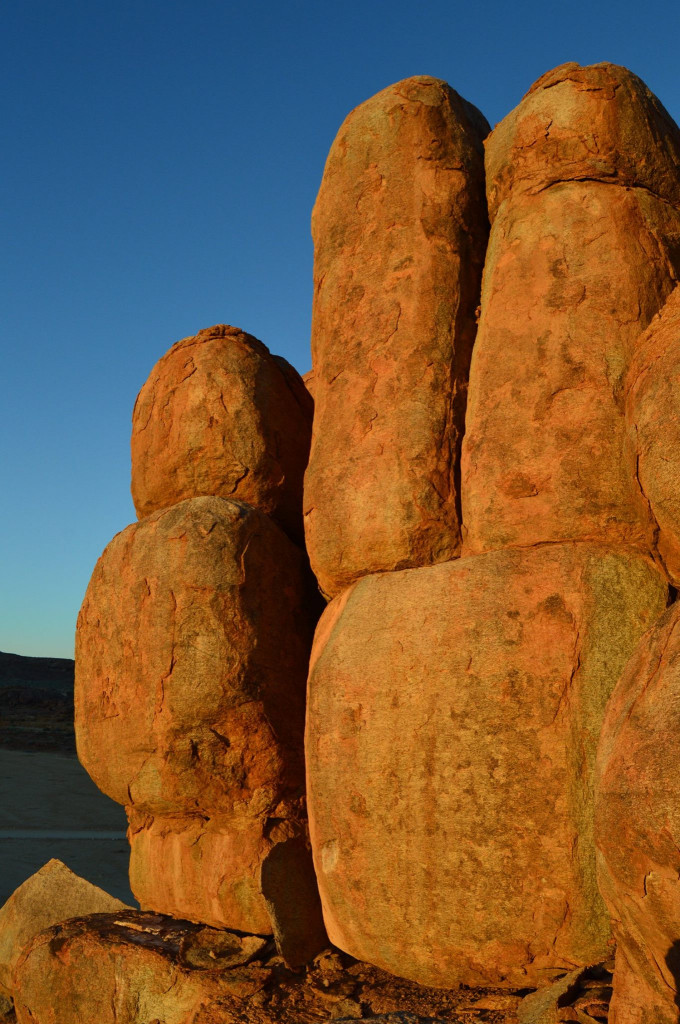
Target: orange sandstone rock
[[593, 123], [219, 415], [137, 969], [577, 267], [453, 716], [638, 828], [191, 659], [653, 412], [400, 229], [52, 894]]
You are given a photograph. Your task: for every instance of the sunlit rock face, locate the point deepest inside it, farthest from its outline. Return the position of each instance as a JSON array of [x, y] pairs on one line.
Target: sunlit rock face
[[219, 415], [638, 828], [52, 894], [192, 650], [584, 196], [653, 414], [400, 230], [452, 721]]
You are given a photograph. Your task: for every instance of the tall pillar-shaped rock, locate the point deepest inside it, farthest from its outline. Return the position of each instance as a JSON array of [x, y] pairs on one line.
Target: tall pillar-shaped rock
[[653, 412], [400, 229], [583, 183], [193, 643], [453, 717], [638, 828]]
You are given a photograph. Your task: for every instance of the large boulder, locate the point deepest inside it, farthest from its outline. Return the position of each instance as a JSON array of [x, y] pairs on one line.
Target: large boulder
[[219, 415], [191, 659], [638, 828], [400, 229], [579, 262], [653, 411], [51, 895], [453, 716]]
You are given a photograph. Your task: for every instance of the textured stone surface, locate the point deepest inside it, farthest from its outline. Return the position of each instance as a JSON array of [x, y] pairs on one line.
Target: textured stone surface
[[219, 415], [573, 275], [135, 969], [653, 413], [51, 895], [191, 658], [638, 828], [144, 969], [453, 715], [598, 122], [400, 229]]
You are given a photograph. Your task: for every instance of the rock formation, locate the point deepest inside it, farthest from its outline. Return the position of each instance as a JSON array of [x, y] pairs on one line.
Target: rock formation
[[584, 196], [48, 897], [399, 232], [193, 644], [219, 415], [638, 828], [460, 705], [454, 704], [653, 411], [192, 651], [453, 717]]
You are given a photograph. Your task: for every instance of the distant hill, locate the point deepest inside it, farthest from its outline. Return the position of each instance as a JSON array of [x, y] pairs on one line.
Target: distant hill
[[36, 704], [43, 673]]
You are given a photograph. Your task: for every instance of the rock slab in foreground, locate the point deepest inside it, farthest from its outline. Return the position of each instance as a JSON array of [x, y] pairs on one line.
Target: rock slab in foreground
[[400, 228], [453, 717], [220, 415], [638, 828], [191, 659], [138, 968], [48, 897]]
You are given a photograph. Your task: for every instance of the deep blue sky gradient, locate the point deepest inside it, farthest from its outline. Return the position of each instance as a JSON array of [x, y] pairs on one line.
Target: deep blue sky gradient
[[161, 162]]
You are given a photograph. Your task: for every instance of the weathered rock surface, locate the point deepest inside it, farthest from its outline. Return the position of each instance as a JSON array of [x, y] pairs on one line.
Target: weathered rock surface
[[400, 230], [638, 828], [579, 996], [598, 122], [453, 716], [51, 895], [653, 413], [138, 968], [219, 415], [191, 659], [134, 969], [576, 269]]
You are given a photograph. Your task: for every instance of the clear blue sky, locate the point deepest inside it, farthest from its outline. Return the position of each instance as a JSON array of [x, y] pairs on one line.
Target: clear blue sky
[[161, 159]]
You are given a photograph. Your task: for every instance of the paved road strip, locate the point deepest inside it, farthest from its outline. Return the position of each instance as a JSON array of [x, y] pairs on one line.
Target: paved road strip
[[43, 833]]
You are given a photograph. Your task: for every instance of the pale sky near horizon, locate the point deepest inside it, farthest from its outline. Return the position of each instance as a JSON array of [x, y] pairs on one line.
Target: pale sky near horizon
[[162, 160]]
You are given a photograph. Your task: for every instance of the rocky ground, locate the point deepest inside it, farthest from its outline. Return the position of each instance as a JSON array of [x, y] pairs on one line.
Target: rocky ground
[[229, 978]]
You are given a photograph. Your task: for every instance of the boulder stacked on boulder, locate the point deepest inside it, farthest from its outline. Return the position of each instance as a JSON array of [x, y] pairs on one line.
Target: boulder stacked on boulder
[[454, 704], [584, 199], [193, 643], [461, 704], [400, 231]]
